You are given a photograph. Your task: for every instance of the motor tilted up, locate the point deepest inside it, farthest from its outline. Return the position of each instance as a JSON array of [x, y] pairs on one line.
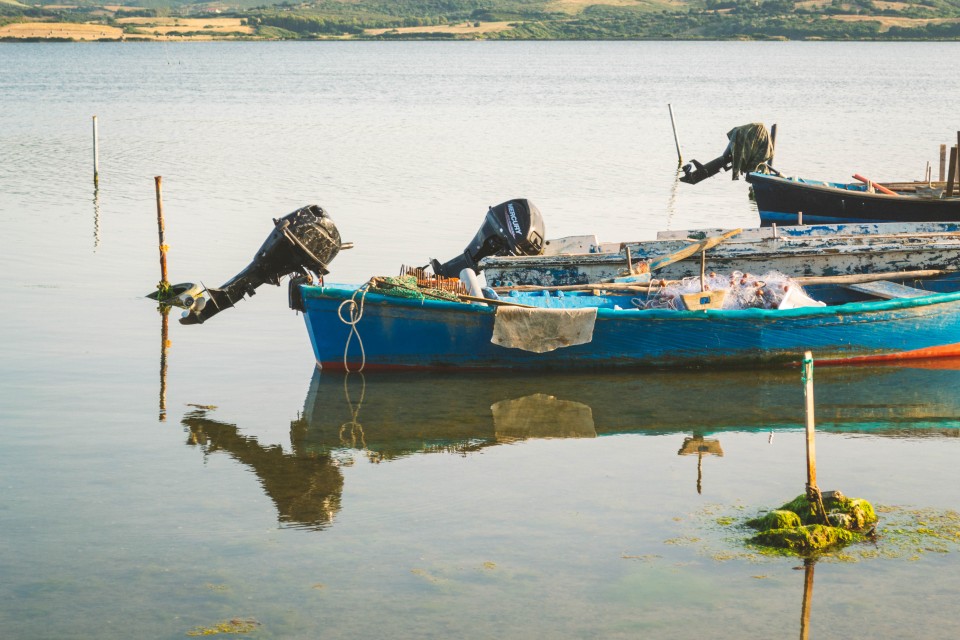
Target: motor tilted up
[[513, 228], [303, 243]]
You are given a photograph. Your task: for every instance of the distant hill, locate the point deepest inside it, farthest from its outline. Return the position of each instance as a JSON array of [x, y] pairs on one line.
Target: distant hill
[[530, 19]]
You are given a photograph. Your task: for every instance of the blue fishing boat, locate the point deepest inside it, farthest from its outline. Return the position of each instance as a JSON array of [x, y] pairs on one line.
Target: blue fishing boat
[[782, 200], [354, 327]]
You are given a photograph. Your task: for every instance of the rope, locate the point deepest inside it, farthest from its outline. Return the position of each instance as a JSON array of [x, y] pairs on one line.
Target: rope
[[353, 424], [356, 312]]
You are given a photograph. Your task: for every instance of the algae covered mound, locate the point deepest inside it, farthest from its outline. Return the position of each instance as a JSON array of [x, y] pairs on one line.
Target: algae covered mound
[[801, 527]]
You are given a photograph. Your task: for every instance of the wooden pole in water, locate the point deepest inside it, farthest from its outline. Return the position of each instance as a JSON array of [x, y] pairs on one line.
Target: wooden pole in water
[[96, 154], [943, 162], [676, 140], [811, 427], [164, 283], [773, 141], [952, 173]]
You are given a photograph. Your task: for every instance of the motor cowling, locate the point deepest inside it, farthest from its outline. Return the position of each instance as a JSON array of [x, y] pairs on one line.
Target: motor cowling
[[302, 243], [512, 228]]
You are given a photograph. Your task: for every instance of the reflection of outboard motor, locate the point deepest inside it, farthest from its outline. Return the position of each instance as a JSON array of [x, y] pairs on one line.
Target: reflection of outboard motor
[[302, 242], [694, 172], [514, 228]]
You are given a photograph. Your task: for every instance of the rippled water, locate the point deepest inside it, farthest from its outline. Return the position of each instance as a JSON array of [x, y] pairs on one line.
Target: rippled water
[[232, 481]]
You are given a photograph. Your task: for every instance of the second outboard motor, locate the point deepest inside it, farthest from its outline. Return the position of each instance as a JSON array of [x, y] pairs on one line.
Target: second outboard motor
[[694, 172], [303, 242], [750, 148], [513, 228]]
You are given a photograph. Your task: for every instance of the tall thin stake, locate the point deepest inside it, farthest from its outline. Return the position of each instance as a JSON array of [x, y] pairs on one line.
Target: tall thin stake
[[96, 154], [676, 139], [164, 283]]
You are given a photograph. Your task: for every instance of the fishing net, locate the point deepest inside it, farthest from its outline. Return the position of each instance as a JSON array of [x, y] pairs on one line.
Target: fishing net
[[410, 286], [744, 291]]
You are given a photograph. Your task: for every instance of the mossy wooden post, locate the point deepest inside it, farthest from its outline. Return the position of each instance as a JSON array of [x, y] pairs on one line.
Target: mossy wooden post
[[812, 489], [164, 283], [96, 155], [676, 140]]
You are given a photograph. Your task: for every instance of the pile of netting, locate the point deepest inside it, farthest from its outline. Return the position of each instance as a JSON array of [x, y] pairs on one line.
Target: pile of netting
[[410, 286], [744, 291]]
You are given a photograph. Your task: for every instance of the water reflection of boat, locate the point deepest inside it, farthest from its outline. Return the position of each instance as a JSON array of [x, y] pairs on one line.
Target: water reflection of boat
[[385, 417], [424, 412]]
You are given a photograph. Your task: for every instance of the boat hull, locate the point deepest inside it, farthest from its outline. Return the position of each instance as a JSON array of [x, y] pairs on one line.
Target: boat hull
[[412, 334], [825, 250], [780, 201]]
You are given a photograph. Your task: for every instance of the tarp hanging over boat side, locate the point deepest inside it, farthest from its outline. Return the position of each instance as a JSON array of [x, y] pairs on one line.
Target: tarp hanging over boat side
[[542, 330]]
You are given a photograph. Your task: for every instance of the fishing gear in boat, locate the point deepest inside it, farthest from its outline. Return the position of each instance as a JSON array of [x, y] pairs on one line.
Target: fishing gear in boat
[[302, 243]]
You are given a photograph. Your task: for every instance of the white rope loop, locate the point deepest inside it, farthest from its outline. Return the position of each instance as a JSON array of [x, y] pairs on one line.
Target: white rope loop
[[356, 312]]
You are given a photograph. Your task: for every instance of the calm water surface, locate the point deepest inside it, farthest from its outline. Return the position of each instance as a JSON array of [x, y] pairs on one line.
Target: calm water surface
[[236, 482]]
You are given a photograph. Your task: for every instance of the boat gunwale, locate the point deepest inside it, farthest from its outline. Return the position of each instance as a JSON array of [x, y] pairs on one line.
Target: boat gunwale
[[339, 292], [755, 177]]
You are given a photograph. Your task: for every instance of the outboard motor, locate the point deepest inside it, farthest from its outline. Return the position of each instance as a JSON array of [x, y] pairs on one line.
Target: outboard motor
[[694, 172], [750, 148], [514, 228], [303, 242]]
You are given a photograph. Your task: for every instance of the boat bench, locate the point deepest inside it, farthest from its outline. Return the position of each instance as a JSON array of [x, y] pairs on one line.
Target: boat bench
[[887, 290]]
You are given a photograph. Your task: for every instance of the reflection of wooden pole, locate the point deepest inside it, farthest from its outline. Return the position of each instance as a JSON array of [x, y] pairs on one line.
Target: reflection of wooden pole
[[811, 427], [807, 599], [164, 283], [676, 140], [700, 472], [164, 343], [96, 154]]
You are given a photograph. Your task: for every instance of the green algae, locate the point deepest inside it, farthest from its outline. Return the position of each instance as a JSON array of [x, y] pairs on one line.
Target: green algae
[[807, 539], [776, 519], [236, 625], [801, 527]]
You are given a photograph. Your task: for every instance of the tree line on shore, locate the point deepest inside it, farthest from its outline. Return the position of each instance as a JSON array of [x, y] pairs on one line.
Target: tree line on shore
[[533, 19]]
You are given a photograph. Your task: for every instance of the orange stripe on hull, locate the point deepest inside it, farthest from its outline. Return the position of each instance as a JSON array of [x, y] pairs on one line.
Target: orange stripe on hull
[[943, 351]]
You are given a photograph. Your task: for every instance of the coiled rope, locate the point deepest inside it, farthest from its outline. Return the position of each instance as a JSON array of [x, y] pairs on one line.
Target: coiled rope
[[356, 312]]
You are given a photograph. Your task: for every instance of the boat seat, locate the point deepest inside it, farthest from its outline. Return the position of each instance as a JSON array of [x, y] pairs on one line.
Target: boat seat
[[887, 290]]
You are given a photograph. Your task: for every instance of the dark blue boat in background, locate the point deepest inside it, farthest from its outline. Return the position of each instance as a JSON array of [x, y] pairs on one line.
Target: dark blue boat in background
[[782, 200]]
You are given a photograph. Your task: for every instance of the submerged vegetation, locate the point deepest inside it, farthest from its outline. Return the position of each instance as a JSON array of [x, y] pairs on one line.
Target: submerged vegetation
[[490, 20], [899, 533]]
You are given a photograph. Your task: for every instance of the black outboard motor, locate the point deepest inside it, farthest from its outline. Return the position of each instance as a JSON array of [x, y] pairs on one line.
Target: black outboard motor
[[303, 242], [694, 172], [750, 148], [514, 228]]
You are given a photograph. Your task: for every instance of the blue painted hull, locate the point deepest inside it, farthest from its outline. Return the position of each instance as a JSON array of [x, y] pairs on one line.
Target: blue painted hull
[[780, 200], [399, 333]]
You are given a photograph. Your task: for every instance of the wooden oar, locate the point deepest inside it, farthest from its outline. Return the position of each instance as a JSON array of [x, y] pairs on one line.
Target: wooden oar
[[693, 249], [875, 185], [493, 303]]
